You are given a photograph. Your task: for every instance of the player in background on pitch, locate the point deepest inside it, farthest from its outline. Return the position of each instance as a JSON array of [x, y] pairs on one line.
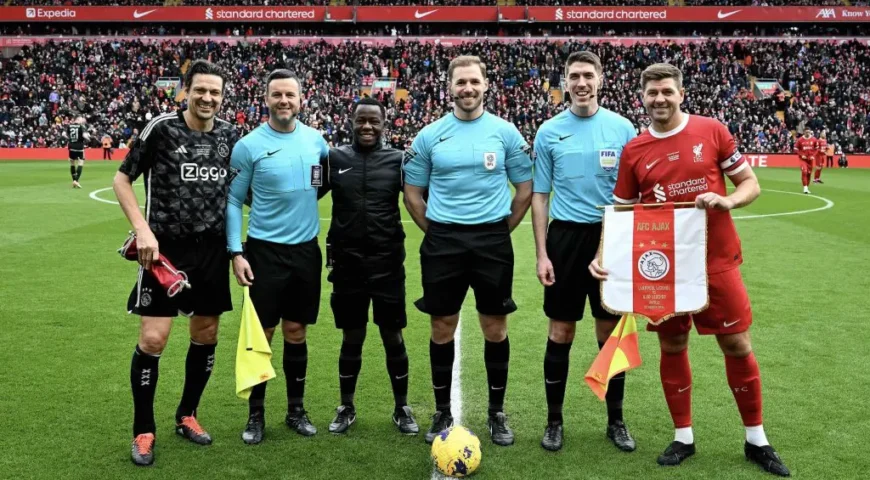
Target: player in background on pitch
[[577, 155], [821, 157], [807, 149], [685, 158], [78, 136]]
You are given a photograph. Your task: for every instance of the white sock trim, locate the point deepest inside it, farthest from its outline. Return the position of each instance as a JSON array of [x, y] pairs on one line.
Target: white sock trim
[[756, 436], [684, 435]]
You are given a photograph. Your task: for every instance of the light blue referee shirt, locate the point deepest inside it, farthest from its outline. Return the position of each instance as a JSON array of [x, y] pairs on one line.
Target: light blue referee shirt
[[283, 171], [577, 158], [466, 166]]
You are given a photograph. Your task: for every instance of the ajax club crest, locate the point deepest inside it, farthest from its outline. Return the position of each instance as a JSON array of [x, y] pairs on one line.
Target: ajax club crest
[[489, 160], [653, 265], [223, 149]]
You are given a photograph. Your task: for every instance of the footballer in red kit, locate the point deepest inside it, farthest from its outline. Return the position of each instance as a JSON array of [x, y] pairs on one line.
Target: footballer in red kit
[[820, 157], [806, 148], [685, 158]]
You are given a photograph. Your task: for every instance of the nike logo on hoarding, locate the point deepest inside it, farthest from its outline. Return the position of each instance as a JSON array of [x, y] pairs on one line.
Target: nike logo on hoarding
[[726, 15], [417, 13], [136, 13]]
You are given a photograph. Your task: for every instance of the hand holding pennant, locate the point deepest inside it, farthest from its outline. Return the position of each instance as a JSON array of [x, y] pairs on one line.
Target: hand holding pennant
[[656, 258], [253, 354]]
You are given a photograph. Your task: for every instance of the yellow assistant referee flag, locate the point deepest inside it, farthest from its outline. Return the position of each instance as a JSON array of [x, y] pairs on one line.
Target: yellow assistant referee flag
[[253, 356]]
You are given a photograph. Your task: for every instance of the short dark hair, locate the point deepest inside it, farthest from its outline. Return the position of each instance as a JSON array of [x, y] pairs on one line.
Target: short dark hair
[[369, 101], [281, 74], [584, 57], [203, 67], [661, 71]]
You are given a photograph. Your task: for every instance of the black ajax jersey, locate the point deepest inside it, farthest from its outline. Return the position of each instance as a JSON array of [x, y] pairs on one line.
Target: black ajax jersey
[[76, 136], [186, 173]]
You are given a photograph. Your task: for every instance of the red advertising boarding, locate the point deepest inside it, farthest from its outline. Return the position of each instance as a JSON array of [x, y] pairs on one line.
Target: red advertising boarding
[[420, 14]]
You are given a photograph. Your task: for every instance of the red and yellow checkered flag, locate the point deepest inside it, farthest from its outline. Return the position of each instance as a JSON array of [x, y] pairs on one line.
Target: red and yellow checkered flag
[[620, 353]]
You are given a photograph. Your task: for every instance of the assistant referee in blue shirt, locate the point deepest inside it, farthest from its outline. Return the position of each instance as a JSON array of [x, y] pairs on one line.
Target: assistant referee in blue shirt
[[281, 163], [465, 160], [577, 155]]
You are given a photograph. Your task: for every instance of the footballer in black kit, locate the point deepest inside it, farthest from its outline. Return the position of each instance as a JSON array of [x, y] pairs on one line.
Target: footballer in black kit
[[76, 146], [184, 159]]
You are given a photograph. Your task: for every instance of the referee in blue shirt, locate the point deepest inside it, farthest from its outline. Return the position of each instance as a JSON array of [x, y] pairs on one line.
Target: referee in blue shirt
[[465, 160], [281, 163], [577, 154]]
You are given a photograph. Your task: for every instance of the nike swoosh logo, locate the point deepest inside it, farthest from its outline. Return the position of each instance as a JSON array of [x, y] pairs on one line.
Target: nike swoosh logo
[[551, 382], [342, 170], [439, 388], [300, 379], [496, 388], [346, 376], [726, 325], [417, 13], [684, 389], [566, 136], [269, 154], [401, 377], [726, 15], [653, 164], [442, 139], [136, 13]]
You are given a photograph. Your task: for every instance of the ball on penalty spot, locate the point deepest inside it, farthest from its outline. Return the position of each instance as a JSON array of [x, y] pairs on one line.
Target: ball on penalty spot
[[456, 452]]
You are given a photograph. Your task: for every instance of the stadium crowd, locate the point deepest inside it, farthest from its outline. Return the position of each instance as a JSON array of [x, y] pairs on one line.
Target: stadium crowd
[[113, 84]]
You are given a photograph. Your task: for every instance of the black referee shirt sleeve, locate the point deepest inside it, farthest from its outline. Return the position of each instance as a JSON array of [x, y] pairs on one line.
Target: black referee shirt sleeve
[[326, 184]]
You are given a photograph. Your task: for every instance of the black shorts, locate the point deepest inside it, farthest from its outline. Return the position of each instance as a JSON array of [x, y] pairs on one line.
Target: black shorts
[[455, 257], [350, 302], [80, 155], [286, 281], [207, 266], [571, 248]]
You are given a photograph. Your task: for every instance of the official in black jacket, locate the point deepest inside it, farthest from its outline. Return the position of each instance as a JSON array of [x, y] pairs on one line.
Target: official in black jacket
[[366, 253]]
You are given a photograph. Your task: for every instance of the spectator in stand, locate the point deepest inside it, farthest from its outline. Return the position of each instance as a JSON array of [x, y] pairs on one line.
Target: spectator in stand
[[112, 83]]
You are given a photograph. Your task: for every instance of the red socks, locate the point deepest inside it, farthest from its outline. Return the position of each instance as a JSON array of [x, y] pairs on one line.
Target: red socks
[[818, 174], [805, 177], [676, 376], [744, 379]]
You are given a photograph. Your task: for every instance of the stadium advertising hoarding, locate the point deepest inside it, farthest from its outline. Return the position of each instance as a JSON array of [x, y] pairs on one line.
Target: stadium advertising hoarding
[[421, 14], [756, 160]]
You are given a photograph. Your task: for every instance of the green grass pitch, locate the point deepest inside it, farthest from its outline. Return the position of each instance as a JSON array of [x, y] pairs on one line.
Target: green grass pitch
[[66, 343]]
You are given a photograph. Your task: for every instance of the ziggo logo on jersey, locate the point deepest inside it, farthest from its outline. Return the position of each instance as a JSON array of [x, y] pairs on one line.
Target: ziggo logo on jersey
[[192, 172]]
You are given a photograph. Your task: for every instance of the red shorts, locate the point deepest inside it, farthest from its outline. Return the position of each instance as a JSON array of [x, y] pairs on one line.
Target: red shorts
[[806, 167], [729, 310], [820, 160]]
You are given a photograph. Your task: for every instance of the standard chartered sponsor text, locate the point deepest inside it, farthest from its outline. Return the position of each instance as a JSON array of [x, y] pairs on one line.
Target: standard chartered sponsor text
[[688, 186], [616, 15], [264, 14]]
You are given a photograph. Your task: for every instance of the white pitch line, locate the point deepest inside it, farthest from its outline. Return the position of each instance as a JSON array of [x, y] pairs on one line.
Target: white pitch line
[[455, 388], [828, 204]]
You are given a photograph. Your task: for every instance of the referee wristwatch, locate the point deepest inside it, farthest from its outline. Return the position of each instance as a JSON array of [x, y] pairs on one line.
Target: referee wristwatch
[[233, 255]]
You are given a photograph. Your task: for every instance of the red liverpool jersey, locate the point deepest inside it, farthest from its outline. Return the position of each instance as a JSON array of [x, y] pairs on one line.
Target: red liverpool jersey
[[807, 148], [679, 165]]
